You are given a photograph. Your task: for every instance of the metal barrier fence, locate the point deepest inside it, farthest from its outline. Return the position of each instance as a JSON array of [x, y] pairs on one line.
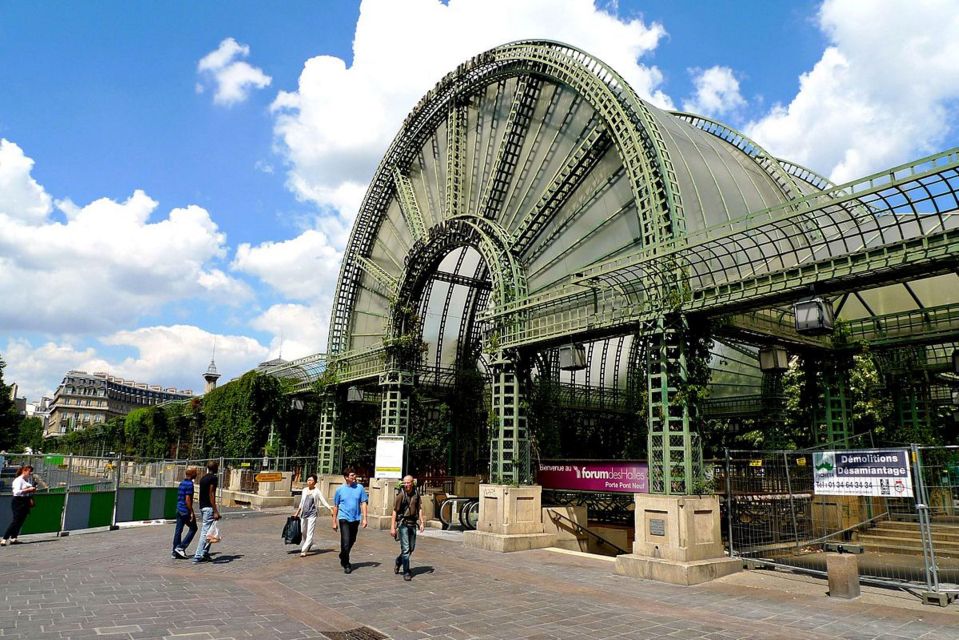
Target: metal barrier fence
[[82, 492], [772, 515]]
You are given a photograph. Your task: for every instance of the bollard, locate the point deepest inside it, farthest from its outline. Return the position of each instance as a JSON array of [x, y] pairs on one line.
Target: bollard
[[843, 572]]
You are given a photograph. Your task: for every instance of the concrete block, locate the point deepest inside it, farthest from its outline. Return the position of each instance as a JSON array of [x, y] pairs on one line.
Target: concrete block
[[679, 528], [506, 543], [676, 572], [507, 509], [842, 570]]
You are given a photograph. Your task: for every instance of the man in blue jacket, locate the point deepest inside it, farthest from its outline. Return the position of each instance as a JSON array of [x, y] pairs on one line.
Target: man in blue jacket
[[349, 511]]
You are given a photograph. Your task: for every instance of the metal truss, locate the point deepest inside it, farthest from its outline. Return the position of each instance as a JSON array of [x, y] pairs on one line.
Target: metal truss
[[560, 189], [303, 372]]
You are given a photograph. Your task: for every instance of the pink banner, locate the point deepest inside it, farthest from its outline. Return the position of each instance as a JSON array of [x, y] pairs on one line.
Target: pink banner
[[574, 475]]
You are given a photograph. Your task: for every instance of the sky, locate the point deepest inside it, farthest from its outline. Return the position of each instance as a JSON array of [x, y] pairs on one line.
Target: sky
[[178, 175]]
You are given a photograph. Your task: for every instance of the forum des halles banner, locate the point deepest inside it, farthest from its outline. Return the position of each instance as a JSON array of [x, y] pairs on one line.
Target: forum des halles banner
[[882, 473]]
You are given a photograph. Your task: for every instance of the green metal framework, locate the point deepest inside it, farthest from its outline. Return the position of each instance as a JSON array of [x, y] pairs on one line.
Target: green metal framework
[[531, 199]]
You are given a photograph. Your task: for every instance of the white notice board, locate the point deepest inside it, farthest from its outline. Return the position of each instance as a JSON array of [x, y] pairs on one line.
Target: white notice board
[[389, 457]]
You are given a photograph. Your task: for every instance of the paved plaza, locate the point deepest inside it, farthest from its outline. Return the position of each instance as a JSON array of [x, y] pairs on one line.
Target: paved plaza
[[123, 584]]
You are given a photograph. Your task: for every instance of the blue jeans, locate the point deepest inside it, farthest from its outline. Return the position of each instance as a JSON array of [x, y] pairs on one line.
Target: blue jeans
[[203, 547], [183, 520], [407, 535]]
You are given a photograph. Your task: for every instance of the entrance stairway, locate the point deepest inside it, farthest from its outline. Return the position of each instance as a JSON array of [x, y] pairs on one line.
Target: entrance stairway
[[903, 538]]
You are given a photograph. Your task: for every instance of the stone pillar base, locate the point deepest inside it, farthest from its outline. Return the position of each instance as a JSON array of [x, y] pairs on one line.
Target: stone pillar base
[[842, 569], [675, 571], [505, 543]]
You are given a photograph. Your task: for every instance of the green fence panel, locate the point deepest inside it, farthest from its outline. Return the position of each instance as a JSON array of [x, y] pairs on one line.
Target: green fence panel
[[101, 509], [169, 504], [45, 516], [141, 503]]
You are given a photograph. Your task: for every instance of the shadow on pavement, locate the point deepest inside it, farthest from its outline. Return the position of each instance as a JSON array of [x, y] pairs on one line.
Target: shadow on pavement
[[226, 559]]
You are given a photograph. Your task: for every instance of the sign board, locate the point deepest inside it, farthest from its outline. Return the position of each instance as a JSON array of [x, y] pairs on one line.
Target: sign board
[[389, 457], [268, 476], [575, 475], [883, 473]]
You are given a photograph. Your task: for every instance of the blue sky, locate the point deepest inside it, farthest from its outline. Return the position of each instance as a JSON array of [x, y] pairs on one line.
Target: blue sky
[[178, 173]]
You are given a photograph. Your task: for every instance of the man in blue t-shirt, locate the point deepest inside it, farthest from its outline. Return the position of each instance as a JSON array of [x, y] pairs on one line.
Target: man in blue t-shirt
[[349, 510], [184, 514]]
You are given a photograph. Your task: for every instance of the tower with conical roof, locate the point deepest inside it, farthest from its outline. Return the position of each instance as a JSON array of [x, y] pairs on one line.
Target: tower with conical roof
[[211, 375]]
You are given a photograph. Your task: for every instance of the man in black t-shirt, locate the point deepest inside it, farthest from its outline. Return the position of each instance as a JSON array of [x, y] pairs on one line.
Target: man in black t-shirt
[[210, 513]]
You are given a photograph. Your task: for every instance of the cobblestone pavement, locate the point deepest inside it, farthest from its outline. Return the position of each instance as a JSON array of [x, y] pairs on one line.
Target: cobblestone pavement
[[123, 584]]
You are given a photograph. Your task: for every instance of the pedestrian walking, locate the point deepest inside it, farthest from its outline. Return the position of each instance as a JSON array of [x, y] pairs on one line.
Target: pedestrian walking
[[23, 490], [349, 512], [407, 515], [307, 512], [208, 510], [185, 517]]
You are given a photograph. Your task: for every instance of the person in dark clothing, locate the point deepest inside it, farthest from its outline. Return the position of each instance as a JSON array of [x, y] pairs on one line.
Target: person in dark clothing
[[208, 510], [407, 514], [23, 490], [184, 514]]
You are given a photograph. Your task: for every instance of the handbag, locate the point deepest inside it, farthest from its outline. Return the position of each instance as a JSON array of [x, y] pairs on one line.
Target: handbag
[[213, 535], [292, 533]]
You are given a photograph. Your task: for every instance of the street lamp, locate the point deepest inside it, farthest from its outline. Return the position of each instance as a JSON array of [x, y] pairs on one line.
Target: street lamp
[[773, 359], [572, 357], [354, 394], [813, 316]]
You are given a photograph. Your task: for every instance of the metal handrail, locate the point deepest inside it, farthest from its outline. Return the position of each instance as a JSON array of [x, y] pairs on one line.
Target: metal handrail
[[580, 527]]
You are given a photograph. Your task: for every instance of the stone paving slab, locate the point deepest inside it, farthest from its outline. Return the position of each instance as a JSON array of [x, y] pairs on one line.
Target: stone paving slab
[[124, 585]]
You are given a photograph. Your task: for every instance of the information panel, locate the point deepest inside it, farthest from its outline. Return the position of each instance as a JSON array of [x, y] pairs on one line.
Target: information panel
[[588, 475], [882, 473], [389, 457]]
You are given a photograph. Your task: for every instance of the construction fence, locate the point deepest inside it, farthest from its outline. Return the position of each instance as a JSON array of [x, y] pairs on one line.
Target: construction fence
[[86, 492], [789, 508]]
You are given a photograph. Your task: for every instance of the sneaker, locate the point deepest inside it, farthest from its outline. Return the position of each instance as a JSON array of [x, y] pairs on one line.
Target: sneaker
[[348, 569], [13, 541], [179, 553], [303, 554], [407, 576], [396, 568], [3, 542]]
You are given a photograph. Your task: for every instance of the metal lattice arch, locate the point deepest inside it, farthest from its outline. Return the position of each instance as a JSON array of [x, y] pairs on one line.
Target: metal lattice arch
[[532, 200]]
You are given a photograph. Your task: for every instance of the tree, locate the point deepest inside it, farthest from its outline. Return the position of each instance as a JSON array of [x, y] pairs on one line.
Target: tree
[[30, 434], [9, 418]]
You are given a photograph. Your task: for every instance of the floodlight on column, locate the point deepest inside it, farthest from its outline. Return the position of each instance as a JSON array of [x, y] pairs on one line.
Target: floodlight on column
[[354, 394], [572, 357], [813, 316], [773, 359]]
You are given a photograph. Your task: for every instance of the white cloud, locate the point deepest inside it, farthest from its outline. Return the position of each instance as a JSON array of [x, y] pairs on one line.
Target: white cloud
[[234, 79], [336, 125], [107, 265], [172, 356], [884, 91], [298, 330], [717, 92], [304, 268], [20, 196]]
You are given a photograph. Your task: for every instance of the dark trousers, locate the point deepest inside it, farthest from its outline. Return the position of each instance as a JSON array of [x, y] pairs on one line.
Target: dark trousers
[[347, 538], [21, 508], [183, 520]]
